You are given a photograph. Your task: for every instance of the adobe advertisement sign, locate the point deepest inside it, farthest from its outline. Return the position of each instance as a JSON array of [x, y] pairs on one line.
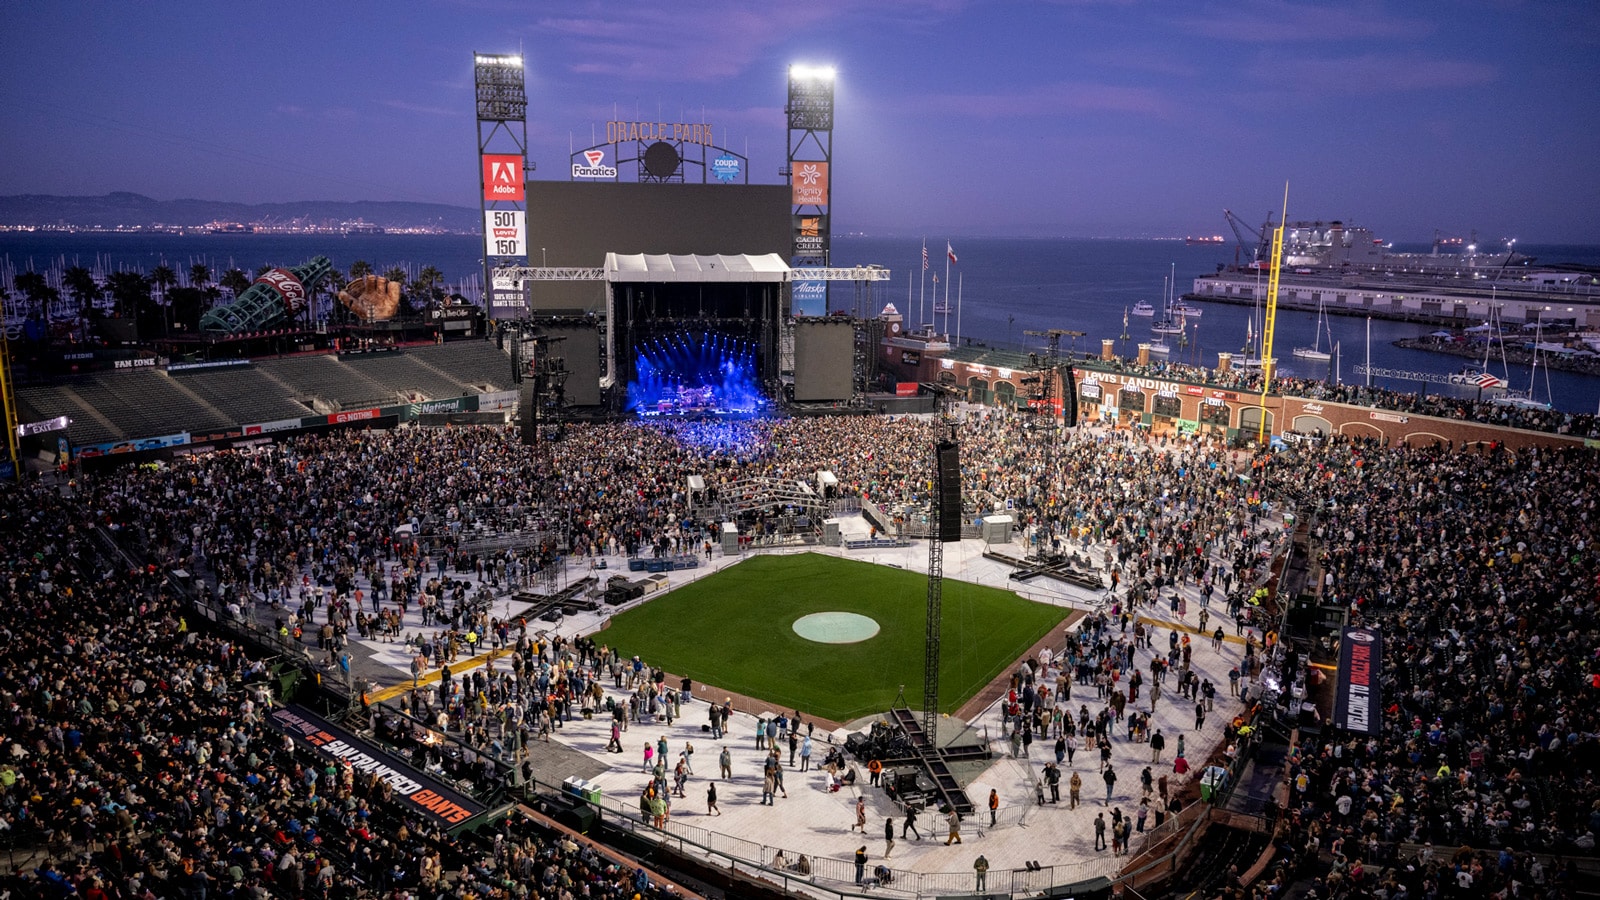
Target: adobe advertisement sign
[[810, 235], [810, 183], [505, 232], [1358, 705], [808, 298], [502, 176], [415, 790]]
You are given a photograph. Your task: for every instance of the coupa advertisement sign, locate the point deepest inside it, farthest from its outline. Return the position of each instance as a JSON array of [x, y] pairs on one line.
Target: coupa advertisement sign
[[809, 298], [1358, 706], [415, 790]]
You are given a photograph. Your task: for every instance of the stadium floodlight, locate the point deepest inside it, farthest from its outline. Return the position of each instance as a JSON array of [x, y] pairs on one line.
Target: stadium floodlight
[[499, 82], [811, 97], [803, 72]]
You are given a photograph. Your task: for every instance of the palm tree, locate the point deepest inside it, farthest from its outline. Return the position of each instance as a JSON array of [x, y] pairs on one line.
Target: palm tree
[[80, 282], [235, 280], [163, 278], [398, 276], [199, 276], [130, 291], [36, 291], [360, 269], [425, 289]]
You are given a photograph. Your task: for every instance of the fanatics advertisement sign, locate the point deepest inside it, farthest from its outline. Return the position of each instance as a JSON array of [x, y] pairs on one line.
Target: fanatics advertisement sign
[[419, 792], [502, 176], [1358, 706]]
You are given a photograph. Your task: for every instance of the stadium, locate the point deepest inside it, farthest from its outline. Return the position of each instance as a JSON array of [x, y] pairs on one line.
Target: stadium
[[570, 596]]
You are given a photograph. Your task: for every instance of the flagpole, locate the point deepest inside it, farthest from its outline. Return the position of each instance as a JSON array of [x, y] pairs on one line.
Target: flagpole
[[962, 278], [946, 290], [922, 294]]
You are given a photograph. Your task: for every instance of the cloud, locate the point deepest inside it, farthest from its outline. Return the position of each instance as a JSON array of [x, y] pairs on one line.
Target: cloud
[[1273, 22], [671, 45], [1374, 74], [1049, 100], [421, 109]]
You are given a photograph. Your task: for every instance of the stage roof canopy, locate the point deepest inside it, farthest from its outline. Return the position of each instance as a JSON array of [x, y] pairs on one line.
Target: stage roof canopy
[[674, 268]]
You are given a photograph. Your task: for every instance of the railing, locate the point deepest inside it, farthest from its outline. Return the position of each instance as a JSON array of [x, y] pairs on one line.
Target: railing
[[829, 876]]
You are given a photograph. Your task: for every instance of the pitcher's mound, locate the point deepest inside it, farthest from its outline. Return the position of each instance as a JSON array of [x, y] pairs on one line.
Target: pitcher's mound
[[836, 627]]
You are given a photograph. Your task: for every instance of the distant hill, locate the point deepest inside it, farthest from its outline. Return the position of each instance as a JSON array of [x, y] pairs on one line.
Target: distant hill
[[126, 209]]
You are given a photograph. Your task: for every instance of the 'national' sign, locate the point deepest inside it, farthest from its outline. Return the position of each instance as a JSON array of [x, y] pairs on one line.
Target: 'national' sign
[[1358, 706]]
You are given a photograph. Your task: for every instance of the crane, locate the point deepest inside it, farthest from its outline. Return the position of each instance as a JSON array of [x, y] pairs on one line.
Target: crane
[[1263, 240]]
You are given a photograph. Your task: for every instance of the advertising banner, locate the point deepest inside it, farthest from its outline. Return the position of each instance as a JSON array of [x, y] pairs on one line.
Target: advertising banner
[[905, 388], [505, 232], [593, 166], [810, 235], [726, 168], [810, 186], [433, 407], [502, 177], [1358, 705], [497, 401], [269, 427], [107, 448], [353, 415], [415, 790], [808, 298]]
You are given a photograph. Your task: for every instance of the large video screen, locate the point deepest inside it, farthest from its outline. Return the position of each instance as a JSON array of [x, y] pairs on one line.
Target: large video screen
[[824, 360], [576, 224]]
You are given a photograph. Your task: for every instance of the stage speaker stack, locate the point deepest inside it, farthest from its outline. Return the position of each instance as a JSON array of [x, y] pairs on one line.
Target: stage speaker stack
[[526, 414], [1069, 388], [949, 487]]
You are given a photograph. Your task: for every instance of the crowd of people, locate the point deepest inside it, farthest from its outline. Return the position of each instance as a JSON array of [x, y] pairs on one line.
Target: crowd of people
[[1478, 570], [135, 760], [138, 738], [1250, 380]]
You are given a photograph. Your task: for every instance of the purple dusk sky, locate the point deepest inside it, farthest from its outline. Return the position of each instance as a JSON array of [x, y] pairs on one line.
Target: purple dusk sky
[[1078, 117]]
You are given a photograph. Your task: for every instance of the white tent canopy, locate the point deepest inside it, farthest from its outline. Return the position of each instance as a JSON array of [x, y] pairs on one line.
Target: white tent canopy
[[690, 269]]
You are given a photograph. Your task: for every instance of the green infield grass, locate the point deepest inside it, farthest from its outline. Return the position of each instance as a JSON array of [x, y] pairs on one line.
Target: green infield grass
[[735, 630]]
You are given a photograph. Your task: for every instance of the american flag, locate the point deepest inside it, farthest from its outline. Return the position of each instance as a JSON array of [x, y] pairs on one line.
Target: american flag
[[1486, 380], [924, 256]]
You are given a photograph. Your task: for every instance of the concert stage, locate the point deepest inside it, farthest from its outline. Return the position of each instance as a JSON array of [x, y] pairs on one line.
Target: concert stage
[[696, 336]]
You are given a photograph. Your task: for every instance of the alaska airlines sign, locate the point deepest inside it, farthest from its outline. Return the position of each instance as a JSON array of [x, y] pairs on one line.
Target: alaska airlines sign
[[677, 132]]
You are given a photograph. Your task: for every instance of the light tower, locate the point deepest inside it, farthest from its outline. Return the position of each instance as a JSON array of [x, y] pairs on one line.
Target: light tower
[[809, 170], [502, 171]]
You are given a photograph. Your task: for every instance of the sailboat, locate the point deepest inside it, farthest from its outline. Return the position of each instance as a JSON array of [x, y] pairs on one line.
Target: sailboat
[[1250, 355], [1167, 324], [1526, 399], [1479, 376], [1315, 352]]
